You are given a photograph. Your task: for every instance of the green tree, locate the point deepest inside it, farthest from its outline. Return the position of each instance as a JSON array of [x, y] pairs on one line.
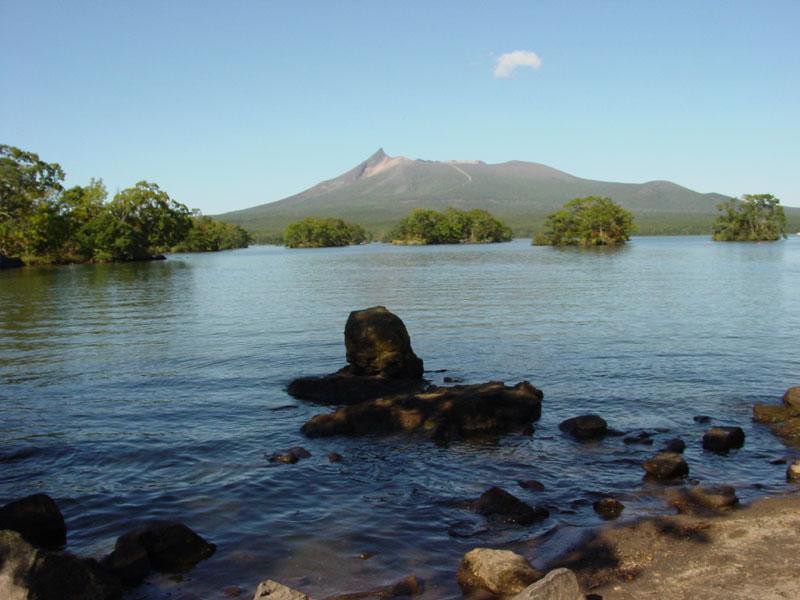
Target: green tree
[[313, 232], [208, 235], [139, 222], [590, 221], [756, 217], [453, 226], [27, 188]]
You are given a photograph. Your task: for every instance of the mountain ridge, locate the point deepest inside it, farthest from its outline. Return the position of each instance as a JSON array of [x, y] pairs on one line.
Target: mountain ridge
[[382, 189]]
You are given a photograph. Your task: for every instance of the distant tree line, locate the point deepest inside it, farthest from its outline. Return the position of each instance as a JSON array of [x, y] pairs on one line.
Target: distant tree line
[[313, 232], [42, 222], [452, 226]]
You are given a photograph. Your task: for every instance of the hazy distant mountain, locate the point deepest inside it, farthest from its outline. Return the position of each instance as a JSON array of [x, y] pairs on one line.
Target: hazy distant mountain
[[383, 189]]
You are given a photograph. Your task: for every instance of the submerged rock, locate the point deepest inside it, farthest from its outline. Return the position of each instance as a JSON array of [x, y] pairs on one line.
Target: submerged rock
[[171, 547], [290, 456], [692, 499], [674, 445], [380, 362], [723, 439], [498, 572], [272, 590], [335, 457], [405, 587], [531, 484], [608, 508], [497, 502], [444, 413], [558, 584], [585, 427], [702, 419], [28, 573], [38, 519], [666, 466]]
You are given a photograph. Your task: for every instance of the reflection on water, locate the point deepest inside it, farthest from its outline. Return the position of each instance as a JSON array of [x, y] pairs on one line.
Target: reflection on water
[[145, 390]]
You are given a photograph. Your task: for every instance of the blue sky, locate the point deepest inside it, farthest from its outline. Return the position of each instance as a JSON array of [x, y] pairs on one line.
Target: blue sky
[[231, 104]]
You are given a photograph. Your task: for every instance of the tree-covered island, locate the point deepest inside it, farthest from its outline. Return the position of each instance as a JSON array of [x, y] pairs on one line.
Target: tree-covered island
[[452, 226], [43, 223], [754, 218], [314, 232], [590, 221]]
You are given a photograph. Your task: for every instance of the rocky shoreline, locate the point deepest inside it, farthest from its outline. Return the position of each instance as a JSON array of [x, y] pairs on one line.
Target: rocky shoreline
[[382, 391]]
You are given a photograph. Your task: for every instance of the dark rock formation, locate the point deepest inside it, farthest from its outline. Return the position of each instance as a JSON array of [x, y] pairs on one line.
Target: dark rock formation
[[608, 508], [170, 547], [9, 262], [674, 445], [723, 439], [585, 427], [405, 587], [495, 572], [381, 362], [644, 438], [31, 573], [335, 457], [666, 466], [702, 419], [531, 484], [703, 498], [38, 519], [497, 502], [444, 413], [290, 456]]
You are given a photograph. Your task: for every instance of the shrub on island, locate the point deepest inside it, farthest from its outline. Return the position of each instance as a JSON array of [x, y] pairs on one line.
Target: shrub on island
[[453, 226], [590, 221], [313, 232], [754, 218], [208, 235]]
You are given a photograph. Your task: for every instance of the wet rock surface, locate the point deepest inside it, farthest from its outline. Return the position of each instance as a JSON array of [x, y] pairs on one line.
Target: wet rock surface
[[703, 498], [404, 588], [783, 419], [272, 590], [290, 456], [37, 519], [608, 508], [29, 573], [443, 413], [674, 445], [343, 387], [497, 502], [496, 572], [585, 427], [666, 466], [723, 439]]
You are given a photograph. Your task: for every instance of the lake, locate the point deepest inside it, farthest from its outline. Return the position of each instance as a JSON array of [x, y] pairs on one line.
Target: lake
[[154, 390]]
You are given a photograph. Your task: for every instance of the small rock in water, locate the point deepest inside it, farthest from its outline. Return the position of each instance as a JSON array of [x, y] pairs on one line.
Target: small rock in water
[[674, 445], [608, 508], [497, 501], [499, 572], [453, 380], [778, 461], [38, 519], [233, 591], [585, 427], [723, 439], [531, 484], [558, 584], [643, 438], [793, 471], [666, 466], [702, 419], [335, 457], [272, 590], [290, 456]]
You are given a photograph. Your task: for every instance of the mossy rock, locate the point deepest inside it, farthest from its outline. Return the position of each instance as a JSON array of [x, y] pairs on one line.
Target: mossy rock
[[772, 413]]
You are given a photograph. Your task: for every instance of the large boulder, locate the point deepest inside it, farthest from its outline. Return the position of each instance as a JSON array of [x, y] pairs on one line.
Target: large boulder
[[558, 584], [666, 466], [171, 547], [378, 343], [28, 573], [444, 413], [723, 439], [38, 519], [498, 572], [496, 502], [792, 398], [585, 427]]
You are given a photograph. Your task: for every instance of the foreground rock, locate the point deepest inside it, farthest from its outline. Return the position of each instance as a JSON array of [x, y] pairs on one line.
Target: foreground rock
[[496, 502], [404, 588], [444, 413], [783, 419], [723, 439], [28, 573], [700, 499], [380, 362], [558, 584], [165, 546], [585, 427], [498, 572], [666, 466], [272, 590], [37, 519]]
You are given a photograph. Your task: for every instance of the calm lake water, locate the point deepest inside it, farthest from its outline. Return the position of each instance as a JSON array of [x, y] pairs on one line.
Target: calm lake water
[[154, 391]]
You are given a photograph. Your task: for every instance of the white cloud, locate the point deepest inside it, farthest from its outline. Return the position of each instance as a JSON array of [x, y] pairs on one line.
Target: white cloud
[[511, 60]]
